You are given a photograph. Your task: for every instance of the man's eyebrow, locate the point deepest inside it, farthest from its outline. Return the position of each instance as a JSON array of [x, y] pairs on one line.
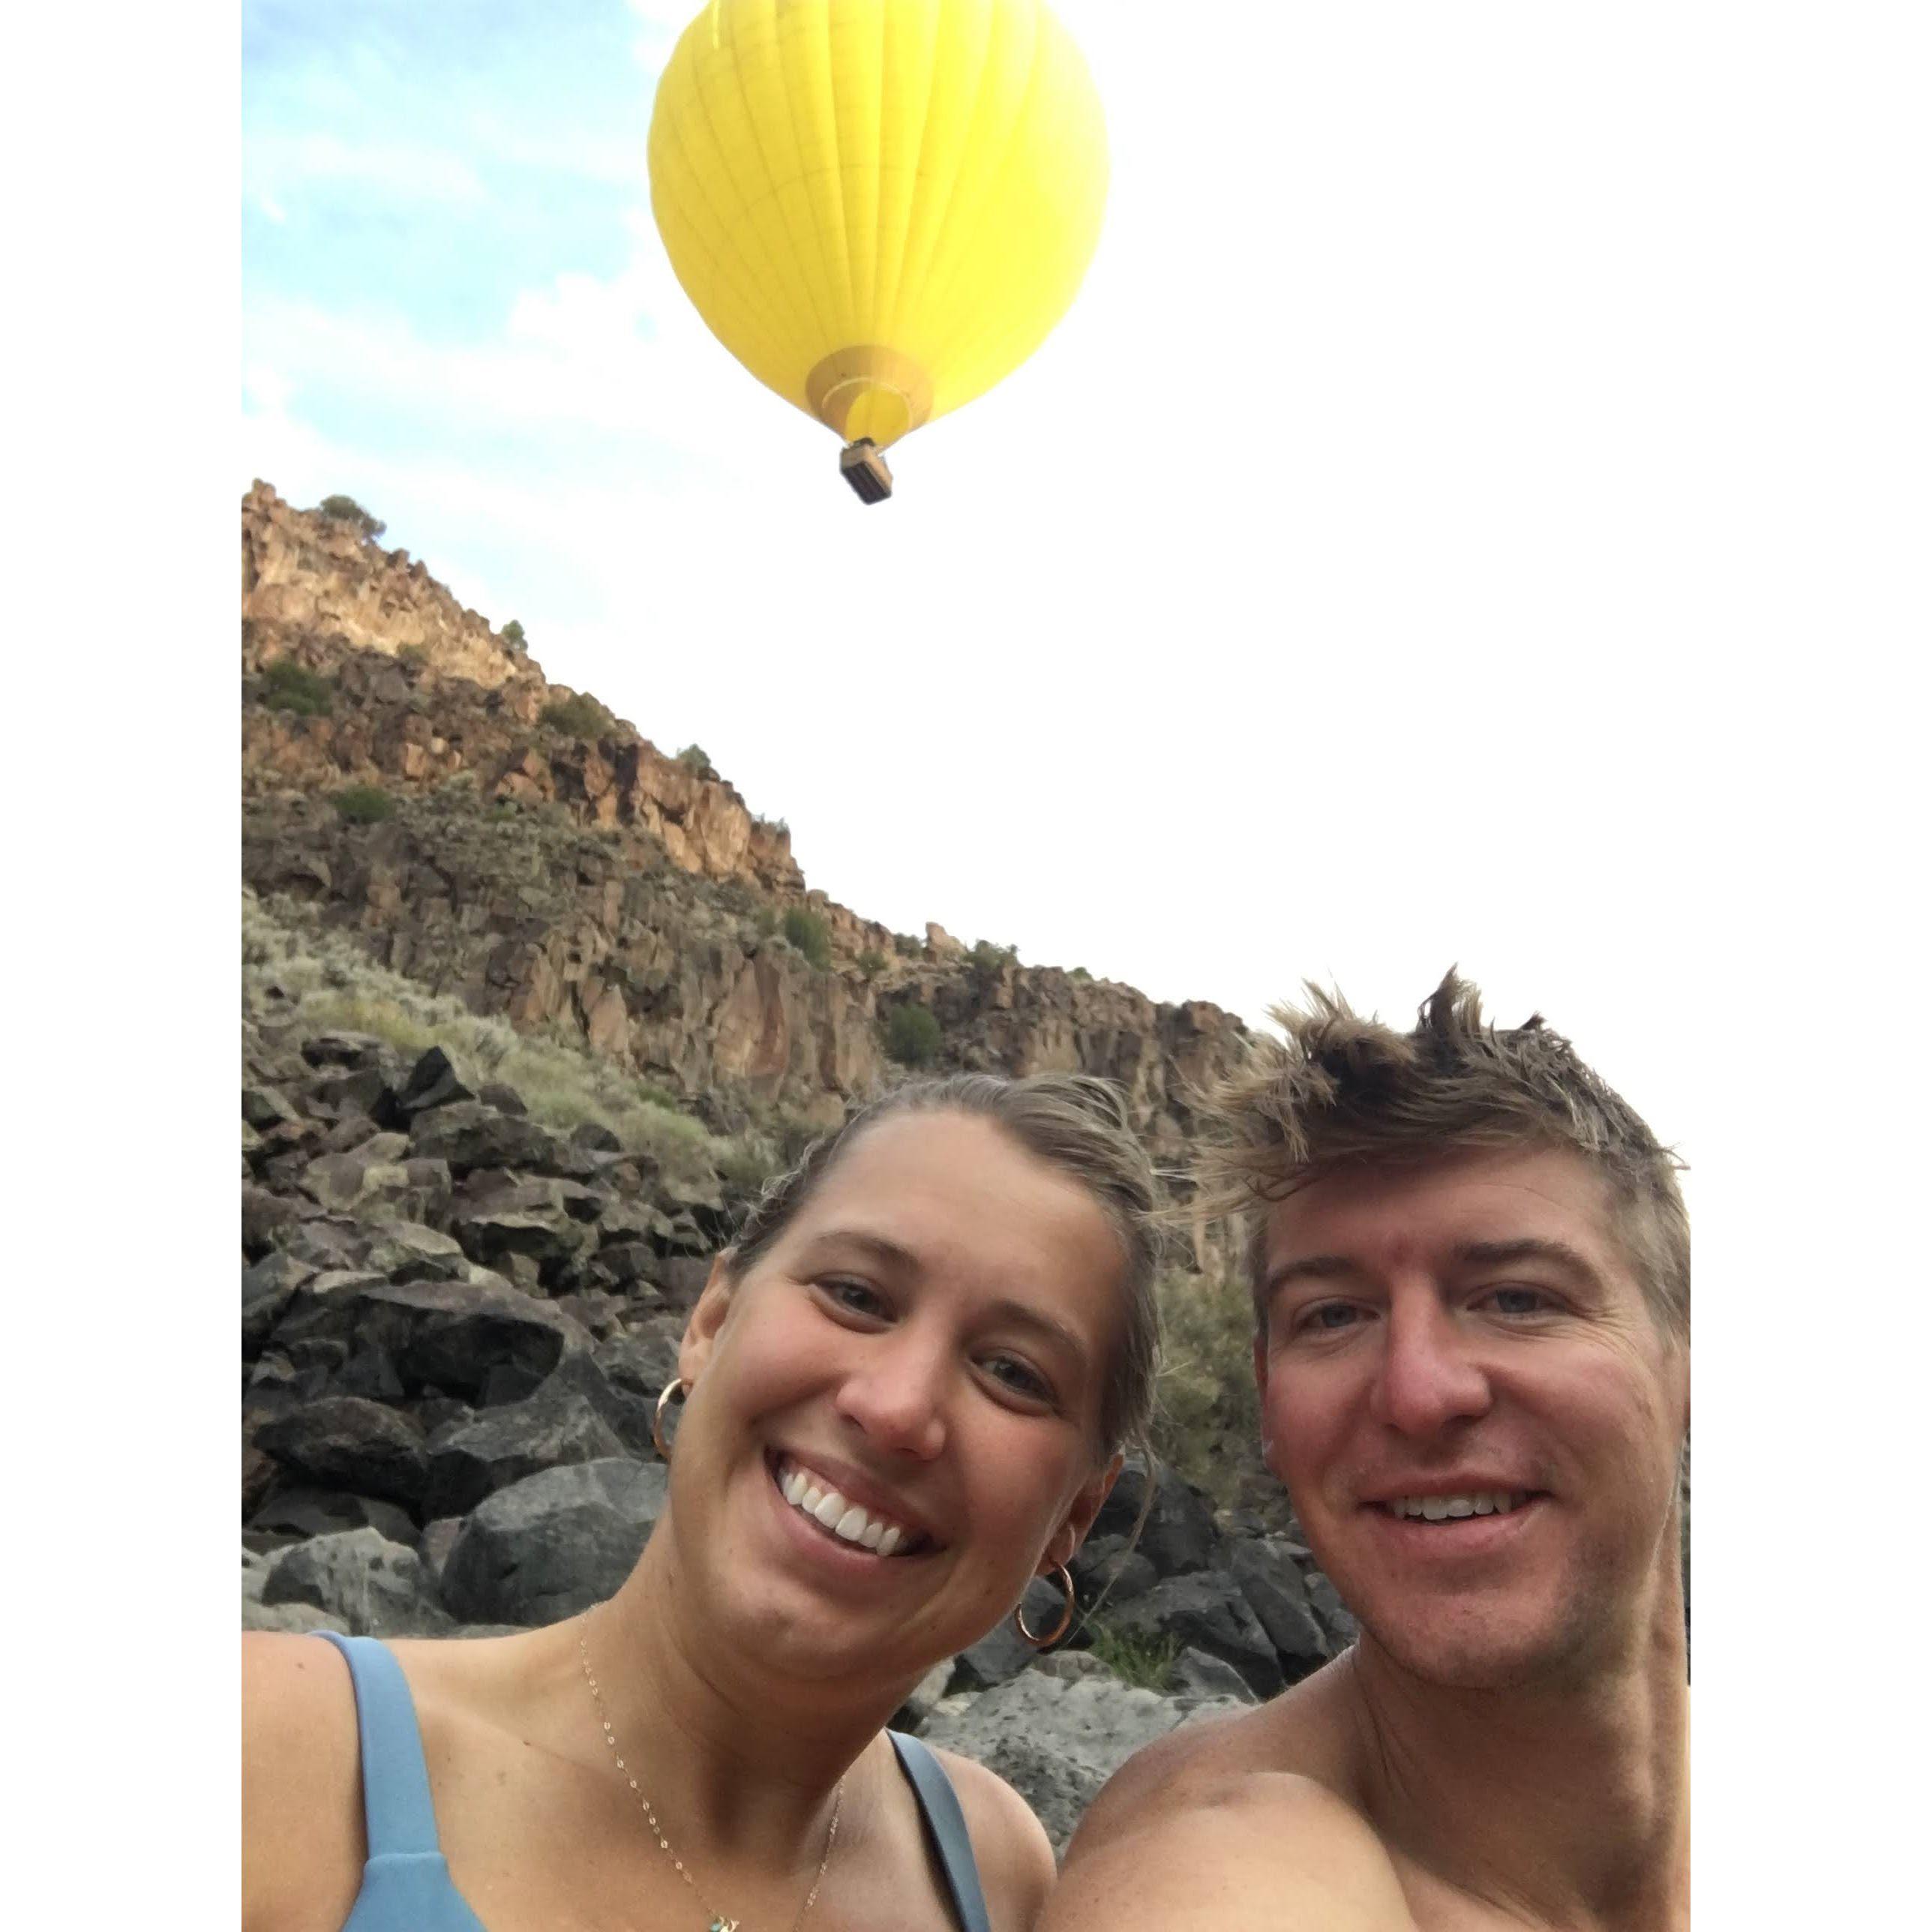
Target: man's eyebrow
[[1528, 1248], [1307, 1268]]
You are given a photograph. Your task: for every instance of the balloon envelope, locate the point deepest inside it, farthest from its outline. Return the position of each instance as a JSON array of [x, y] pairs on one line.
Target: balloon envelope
[[879, 207]]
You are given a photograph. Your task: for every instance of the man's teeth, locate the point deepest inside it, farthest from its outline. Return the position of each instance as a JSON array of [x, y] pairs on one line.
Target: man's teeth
[[1480, 1502], [845, 1519]]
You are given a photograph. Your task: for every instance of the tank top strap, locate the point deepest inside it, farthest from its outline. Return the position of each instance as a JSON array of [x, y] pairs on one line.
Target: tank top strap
[[946, 1824], [395, 1780]]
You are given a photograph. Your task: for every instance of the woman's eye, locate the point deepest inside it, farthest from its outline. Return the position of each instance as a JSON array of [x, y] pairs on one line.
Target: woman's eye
[[1012, 1373], [854, 1296]]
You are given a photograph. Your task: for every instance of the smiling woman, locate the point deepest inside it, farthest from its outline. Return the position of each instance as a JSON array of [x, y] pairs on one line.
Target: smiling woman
[[905, 1389]]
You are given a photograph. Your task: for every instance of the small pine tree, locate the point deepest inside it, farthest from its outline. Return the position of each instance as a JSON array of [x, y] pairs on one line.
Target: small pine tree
[[693, 759], [513, 634], [347, 510], [913, 1036], [810, 935]]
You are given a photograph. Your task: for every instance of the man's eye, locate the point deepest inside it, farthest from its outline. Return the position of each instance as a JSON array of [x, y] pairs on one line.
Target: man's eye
[[1328, 1318], [1518, 1300]]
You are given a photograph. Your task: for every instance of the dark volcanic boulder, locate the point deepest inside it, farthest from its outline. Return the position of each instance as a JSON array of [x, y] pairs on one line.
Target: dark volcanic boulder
[[346, 1442], [1179, 1535], [1274, 1587], [433, 1082], [553, 1544], [462, 1337], [468, 1135], [469, 1460], [1002, 1654], [375, 1587], [300, 1514], [1205, 1611]]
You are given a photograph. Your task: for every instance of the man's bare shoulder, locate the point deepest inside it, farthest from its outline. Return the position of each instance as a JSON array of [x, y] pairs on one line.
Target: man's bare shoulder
[[1240, 1821]]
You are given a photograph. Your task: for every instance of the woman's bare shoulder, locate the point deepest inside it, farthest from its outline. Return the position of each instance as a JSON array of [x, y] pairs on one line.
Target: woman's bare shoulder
[[302, 1785], [1010, 1846]]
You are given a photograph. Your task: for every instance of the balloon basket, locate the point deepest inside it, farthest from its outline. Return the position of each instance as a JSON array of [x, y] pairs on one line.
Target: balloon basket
[[863, 466]]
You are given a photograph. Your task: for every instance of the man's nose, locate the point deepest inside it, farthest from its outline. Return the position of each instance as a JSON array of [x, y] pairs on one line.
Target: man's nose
[[1428, 1377], [895, 1395]]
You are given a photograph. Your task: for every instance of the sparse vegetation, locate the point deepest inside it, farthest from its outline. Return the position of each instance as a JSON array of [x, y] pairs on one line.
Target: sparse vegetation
[[777, 827], [578, 717], [512, 634], [326, 980], [913, 1035], [1146, 1662], [694, 760], [871, 964], [286, 686], [347, 510], [1080, 974], [990, 959], [365, 805], [810, 933], [1208, 1419], [906, 946]]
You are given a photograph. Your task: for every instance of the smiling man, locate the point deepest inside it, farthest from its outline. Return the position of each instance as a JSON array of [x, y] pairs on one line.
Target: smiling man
[[1471, 1265]]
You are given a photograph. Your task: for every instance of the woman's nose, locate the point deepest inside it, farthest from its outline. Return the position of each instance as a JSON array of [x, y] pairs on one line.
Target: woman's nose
[[895, 1394]]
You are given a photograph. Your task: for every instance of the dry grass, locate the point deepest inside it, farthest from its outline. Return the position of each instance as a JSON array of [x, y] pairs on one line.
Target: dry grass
[[329, 982]]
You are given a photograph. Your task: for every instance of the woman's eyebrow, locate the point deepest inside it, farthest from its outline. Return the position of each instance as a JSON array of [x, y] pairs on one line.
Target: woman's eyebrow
[[1024, 1315], [887, 1254]]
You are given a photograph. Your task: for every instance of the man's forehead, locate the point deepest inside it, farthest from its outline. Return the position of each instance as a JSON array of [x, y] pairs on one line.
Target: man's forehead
[[1395, 1210]]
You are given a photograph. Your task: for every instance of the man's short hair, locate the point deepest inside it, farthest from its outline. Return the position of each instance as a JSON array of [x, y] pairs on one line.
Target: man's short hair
[[1342, 1091]]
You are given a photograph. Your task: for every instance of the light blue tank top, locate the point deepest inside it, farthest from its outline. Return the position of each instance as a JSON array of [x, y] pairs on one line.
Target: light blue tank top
[[406, 1884]]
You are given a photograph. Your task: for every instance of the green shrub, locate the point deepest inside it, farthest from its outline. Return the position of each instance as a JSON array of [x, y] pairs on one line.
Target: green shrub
[[1207, 1420], [365, 805], [810, 935], [579, 717], [989, 959], [912, 1035], [1080, 974], [871, 964], [286, 686], [906, 946], [1146, 1662], [512, 634], [347, 510], [693, 759]]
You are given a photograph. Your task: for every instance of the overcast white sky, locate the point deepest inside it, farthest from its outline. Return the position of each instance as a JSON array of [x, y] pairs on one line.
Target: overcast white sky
[[1357, 581]]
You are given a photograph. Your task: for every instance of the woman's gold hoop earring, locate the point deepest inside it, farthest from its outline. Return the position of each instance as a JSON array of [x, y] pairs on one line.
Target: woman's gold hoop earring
[[680, 1388], [1059, 1629]]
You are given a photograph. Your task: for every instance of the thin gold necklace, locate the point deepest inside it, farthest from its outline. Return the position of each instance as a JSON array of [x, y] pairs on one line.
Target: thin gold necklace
[[719, 1923]]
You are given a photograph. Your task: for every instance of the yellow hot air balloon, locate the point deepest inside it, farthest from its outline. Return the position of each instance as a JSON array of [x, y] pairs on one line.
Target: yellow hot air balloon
[[879, 207]]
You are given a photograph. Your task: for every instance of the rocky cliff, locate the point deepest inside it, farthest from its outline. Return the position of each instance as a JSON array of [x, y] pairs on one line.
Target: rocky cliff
[[411, 776]]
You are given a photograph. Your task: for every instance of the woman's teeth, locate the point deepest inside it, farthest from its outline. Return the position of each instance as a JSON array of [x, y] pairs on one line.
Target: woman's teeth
[[827, 1507]]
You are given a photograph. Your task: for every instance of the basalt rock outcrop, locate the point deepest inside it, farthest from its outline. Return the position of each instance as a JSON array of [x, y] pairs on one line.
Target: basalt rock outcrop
[[541, 860]]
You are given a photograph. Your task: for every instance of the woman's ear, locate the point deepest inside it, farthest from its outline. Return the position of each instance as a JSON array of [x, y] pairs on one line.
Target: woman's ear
[[1079, 1519], [707, 1317]]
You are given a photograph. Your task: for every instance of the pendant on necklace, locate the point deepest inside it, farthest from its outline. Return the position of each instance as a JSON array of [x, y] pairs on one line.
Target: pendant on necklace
[[722, 1925]]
